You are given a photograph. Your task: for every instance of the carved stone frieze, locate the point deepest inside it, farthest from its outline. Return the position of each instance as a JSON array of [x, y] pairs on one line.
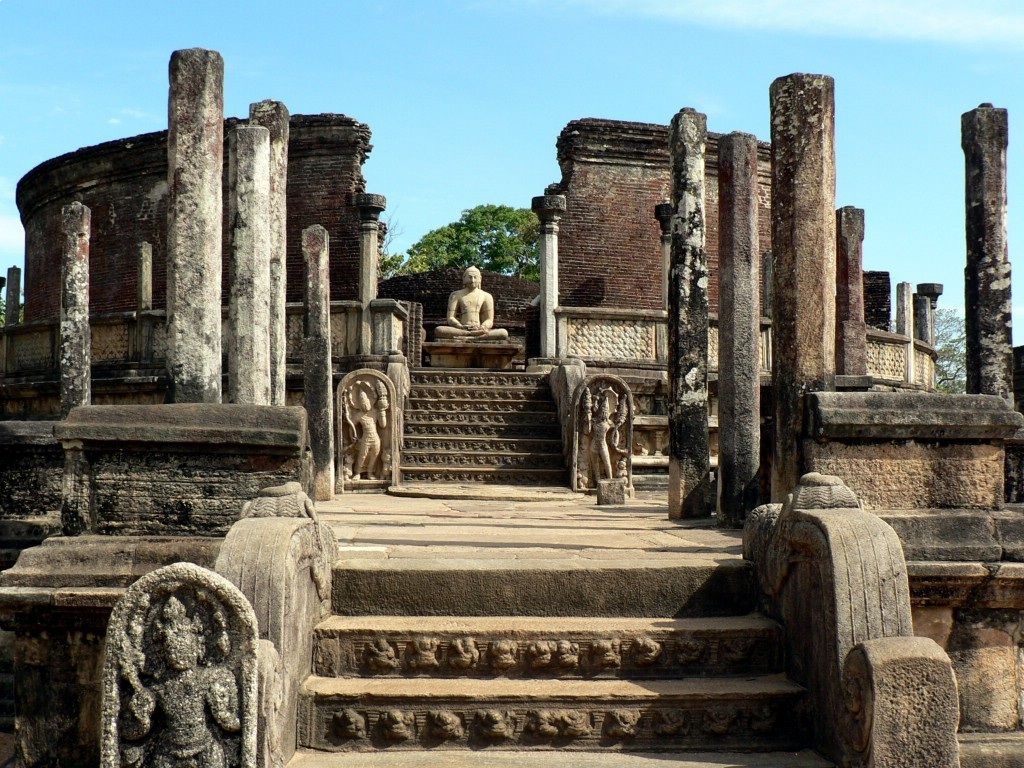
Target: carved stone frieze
[[369, 420], [180, 676], [602, 432]]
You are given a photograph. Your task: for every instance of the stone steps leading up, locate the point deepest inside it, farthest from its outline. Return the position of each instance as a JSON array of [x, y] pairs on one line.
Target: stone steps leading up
[[620, 585], [556, 759], [751, 713], [465, 426], [518, 647]]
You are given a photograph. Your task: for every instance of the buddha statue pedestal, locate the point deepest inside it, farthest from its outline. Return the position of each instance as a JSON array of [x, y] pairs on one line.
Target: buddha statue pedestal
[[453, 353]]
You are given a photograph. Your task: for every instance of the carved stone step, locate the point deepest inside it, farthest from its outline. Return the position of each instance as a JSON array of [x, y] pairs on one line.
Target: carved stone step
[[462, 377], [455, 404], [482, 459], [518, 647], [492, 758], [443, 391], [477, 416], [666, 585], [500, 475], [356, 714], [474, 443], [481, 430]]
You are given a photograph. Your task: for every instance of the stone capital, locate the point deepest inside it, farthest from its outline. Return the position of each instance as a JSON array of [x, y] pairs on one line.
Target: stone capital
[[370, 206], [549, 208], [931, 290], [663, 213]]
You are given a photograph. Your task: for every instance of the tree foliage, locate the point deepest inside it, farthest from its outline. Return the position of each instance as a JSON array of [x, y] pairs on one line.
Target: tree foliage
[[495, 238], [951, 346]]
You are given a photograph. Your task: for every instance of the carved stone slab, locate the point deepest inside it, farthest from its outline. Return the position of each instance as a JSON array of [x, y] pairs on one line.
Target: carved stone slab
[[369, 443], [602, 432], [180, 676]]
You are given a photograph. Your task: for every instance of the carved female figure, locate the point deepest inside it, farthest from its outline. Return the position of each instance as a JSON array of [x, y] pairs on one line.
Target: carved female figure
[[602, 432]]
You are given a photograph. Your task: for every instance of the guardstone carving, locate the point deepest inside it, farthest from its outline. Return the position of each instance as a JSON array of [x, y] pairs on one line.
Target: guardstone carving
[[368, 428], [602, 413], [180, 676]]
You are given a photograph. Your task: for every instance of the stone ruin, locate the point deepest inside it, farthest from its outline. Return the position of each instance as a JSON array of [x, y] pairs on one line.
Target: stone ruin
[[172, 596]]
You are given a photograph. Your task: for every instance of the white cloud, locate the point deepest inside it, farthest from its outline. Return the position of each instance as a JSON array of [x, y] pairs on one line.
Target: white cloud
[[114, 121], [138, 114], [946, 21]]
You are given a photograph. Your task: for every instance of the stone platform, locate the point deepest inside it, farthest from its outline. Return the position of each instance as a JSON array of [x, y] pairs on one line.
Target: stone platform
[[492, 355]]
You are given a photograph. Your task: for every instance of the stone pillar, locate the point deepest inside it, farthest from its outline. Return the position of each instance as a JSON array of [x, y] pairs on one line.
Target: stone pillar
[[804, 256], [370, 207], [739, 330], [922, 318], [145, 277], [12, 308], [549, 209], [984, 137], [663, 213], [273, 115], [905, 322], [75, 335], [689, 490], [318, 372], [932, 291], [250, 297], [851, 330], [195, 159]]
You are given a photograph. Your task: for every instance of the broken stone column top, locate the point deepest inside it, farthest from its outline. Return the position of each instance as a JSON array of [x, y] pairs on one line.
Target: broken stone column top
[[931, 290], [663, 213], [370, 205], [549, 208]]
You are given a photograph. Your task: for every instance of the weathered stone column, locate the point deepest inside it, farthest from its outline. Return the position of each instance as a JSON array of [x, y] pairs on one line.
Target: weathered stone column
[[851, 330], [739, 330], [663, 213], [905, 322], [984, 137], [144, 277], [933, 291], [689, 490], [250, 297], [75, 334], [273, 115], [318, 372], [195, 159], [922, 318], [370, 207], [12, 307], [549, 209], [804, 255]]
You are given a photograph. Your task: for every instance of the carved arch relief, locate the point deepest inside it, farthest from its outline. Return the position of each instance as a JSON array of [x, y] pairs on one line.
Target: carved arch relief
[[602, 432], [180, 674], [367, 411]]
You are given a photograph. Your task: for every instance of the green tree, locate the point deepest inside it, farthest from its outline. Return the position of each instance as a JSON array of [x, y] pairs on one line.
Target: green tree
[[951, 346], [496, 238]]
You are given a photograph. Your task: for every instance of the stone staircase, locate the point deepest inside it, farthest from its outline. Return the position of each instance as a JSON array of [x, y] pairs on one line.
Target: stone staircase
[[468, 426], [478, 663]]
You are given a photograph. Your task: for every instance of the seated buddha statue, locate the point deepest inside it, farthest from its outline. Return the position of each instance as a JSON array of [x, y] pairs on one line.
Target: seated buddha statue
[[470, 313]]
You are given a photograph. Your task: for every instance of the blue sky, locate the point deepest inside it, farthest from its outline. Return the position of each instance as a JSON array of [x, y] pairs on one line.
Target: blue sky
[[466, 97]]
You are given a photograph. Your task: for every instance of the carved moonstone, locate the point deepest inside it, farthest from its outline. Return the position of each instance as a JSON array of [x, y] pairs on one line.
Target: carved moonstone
[[180, 676], [602, 412], [368, 428]]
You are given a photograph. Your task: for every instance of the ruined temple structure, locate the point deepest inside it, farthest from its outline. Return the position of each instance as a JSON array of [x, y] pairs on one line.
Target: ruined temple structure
[[690, 501]]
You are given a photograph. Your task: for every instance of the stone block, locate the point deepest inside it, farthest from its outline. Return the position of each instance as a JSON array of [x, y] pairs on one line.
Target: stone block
[[175, 469], [468, 354], [611, 492]]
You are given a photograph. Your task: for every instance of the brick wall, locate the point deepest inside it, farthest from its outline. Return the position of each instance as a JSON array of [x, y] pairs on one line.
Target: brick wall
[[613, 174], [124, 183], [877, 300]]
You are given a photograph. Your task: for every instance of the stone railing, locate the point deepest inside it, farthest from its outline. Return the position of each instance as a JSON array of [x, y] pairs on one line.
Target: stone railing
[[834, 576], [133, 339], [896, 359], [632, 336]]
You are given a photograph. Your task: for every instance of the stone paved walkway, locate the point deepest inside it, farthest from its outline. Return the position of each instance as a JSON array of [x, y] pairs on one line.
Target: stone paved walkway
[[380, 526]]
